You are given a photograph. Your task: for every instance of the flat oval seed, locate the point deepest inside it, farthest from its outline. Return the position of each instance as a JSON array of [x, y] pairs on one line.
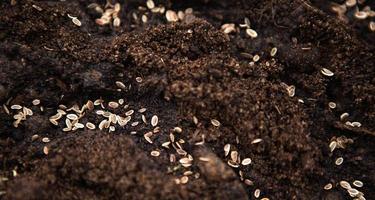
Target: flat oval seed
[[36, 102], [339, 161], [328, 186], [252, 33], [90, 125], [215, 122], [246, 161], [358, 183], [155, 153], [345, 185], [326, 72], [154, 120]]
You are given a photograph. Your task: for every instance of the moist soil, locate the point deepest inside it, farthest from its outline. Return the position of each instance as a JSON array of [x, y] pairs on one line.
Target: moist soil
[[189, 74]]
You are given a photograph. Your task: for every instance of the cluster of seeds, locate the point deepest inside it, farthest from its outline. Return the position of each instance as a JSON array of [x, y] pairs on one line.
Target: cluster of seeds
[[291, 89], [21, 111], [109, 13], [230, 27], [353, 192], [342, 9], [344, 118]]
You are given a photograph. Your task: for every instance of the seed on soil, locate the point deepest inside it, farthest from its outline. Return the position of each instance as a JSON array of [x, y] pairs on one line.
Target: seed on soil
[[356, 124], [326, 72], [195, 120], [358, 183], [184, 179], [252, 33], [45, 140], [185, 160], [256, 141], [135, 124], [90, 126], [273, 51], [142, 110], [215, 122], [15, 107], [343, 116], [113, 104], [234, 156], [79, 125], [121, 101], [360, 15], [76, 21], [121, 85], [328, 186], [150, 4], [353, 192], [155, 153], [350, 3], [256, 58], [332, 105], [332, 145], [102, 124], [34, 137], [371, 26], [6, 109], [248, 182], [228, 28], [246, 161], [36, 102], [204, 159], [130, 112], [144, 18], [138, 79], [257, 193], [177, 129], [72, 117], [166, 144], [291, 90], [116, 22], [339, 161], [45, 150], [232, 164], [154, 120], [171, 16], [226, 149]]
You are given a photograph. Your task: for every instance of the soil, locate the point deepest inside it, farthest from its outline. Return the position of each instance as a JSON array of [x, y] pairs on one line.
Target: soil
[[192, 74]]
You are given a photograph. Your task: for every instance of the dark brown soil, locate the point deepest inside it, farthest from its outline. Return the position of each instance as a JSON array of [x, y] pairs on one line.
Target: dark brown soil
[[189, 69]]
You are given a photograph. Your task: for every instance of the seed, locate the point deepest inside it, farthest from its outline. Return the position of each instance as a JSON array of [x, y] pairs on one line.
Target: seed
[[171, 16], [37, 8], [90, 105], [102, 124], [36, 102], [45, 150], [215, 122], [204, 159], [113, 104], [144, 119], [273, 51], [166, 144], [291, 90], [361, 15], [256, 58], [326, 72], [234, 156], [185, 161], [130, 112], [265, 198], [228, 28], [135, 124], [121, 101], [45, 140], [350, 3], [6, 109], [195, 120], [371, 26], [344, 115], [154, 120], [246, 161], [16, 107], [72, 117], [184, 179], [144, 19], [257, 193], [90, 125], [256, 141], [150, 4], [138, 79], [155, 153], [181, 15], [142, 110], [356, 124], [79, 125], [332, 145], [226, 149], [68, 123], [339, 161], [27, 111], [358, 183], [116, 22], [332, 105], [177, 129], [353, 192], [120, 85], [248, 182], [147, 137], [34, 137], [328, 186], [252, 33], [123, 121]]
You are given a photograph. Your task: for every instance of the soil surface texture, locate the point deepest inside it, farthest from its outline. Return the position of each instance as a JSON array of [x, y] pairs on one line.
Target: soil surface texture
[[200, 99]]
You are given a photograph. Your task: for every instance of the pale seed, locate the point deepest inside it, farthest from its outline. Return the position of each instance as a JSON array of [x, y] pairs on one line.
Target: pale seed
[[171, 16], [358, 183], [252, 33], [215, 122], [36, 102], [154, 120], [246, 161], [339, 161], [326, 72], [155, 153]]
